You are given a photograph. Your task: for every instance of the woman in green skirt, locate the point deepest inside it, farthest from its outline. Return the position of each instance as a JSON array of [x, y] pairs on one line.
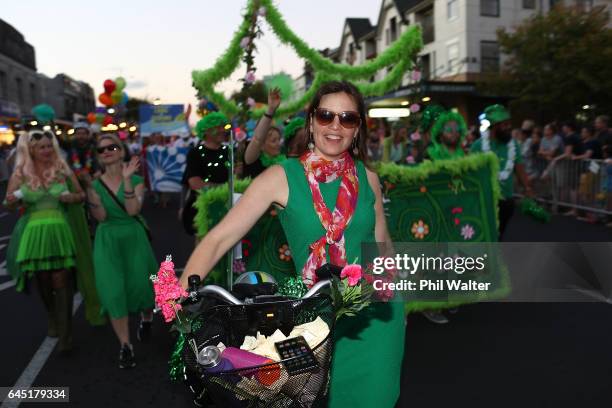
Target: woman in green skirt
[[42, 244], [123, 258], [329, 203]]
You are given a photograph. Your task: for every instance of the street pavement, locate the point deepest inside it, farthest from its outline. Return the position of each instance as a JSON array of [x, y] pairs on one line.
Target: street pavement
[[489, 355]]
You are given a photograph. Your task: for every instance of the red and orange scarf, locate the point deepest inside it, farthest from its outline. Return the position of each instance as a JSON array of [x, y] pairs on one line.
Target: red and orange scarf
[[319, 170]]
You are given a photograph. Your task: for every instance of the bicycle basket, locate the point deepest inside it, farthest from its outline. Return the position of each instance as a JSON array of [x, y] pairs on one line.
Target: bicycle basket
[[252, 387]]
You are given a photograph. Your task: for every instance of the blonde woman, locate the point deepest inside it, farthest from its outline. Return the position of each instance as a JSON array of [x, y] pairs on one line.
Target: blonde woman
[[123, 257], [42, 244]]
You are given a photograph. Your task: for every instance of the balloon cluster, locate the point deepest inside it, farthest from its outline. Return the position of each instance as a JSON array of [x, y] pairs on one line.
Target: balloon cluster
[[113, 96]]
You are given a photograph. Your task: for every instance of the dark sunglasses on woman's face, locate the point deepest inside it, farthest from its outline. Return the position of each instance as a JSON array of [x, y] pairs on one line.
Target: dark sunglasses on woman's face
[[110, 148], [37, 135], [348, 119]]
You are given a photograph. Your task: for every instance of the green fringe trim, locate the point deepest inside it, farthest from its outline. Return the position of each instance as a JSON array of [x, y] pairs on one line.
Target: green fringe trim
[[401, 54], [211, 195]]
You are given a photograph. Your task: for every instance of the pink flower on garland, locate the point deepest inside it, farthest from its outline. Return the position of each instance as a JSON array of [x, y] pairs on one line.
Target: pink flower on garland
[[415, 107], [249, 78], [262, 12], [416, 75], [467, 232], [416, 136], [167, 289], [244, 43], [352, 272], [410, 160], [251, 102]]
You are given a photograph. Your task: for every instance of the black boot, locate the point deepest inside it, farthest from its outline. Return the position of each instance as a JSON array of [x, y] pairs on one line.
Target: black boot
[[46, 294], [63, 307]]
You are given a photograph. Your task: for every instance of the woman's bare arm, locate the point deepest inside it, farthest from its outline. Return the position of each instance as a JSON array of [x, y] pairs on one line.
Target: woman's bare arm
[[381, 232]]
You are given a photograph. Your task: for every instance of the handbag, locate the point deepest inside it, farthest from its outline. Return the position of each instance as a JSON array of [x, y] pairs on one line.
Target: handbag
[[136, 217]]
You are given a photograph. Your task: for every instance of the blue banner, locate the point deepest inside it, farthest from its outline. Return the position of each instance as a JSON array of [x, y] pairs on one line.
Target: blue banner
[[165, 166], [169, 120]]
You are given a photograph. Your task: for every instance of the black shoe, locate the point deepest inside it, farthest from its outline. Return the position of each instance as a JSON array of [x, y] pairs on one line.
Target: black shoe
[[126, 357], [143, 334]]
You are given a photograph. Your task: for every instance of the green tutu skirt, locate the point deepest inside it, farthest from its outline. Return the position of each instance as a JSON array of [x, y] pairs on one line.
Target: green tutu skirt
[[46, 243]]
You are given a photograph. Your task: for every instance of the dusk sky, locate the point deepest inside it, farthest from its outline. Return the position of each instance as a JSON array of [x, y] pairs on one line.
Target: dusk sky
[[156, 44]]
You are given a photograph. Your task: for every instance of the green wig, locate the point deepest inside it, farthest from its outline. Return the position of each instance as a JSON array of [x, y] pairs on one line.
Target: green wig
[[443, 119], [209, 121], [438, 151], [292, 127]]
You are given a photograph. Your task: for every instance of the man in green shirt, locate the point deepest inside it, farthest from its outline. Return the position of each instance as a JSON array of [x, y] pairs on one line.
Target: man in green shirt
[[499, 141]]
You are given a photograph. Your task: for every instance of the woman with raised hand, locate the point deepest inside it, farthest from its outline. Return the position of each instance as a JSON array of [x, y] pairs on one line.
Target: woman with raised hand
[[330, 177], [123, 257]]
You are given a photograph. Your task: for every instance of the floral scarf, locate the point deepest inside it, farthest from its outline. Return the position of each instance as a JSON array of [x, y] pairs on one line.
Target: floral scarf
[[319, 170]]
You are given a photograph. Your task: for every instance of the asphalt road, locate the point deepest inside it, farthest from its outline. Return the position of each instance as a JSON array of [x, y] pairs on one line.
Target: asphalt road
[[490, 355]]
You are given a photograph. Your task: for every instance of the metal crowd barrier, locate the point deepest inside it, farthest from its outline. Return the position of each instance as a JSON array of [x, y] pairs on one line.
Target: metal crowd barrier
[[579, 184]]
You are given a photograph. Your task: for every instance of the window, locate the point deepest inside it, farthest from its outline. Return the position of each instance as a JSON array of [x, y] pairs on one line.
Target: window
[[18, 82], [452, 9], [3, 90], [529, 4], [393, 25], [489, 8], [452, 52], [489, 56], [387, 37]]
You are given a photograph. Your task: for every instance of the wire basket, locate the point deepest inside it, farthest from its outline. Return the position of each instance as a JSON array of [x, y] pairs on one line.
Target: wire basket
[[267, 385]]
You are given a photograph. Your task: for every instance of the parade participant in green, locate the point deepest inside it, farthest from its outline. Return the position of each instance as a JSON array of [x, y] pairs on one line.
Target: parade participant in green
[[447, 135], [42, 244], [329, 176], [499, 141], [207, 163], [123, 258]]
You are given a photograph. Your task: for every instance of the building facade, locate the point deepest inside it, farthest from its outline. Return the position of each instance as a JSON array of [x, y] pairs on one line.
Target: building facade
[[459, 46], [71, 99]]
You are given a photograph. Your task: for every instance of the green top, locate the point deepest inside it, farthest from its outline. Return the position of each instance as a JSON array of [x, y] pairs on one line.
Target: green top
[[501, 151], [302, 225], [43, 198], [115, 213]]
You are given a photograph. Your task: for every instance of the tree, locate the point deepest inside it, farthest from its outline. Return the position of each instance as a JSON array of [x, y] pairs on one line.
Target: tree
[[557, 63], [132, 109]]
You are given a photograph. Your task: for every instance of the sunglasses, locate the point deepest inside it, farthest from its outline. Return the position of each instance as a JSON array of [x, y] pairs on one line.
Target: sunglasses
[[110, 148], [37, 135], [348, 119]]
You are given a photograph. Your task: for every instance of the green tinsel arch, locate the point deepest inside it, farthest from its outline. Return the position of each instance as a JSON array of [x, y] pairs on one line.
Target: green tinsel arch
[[400, 54]]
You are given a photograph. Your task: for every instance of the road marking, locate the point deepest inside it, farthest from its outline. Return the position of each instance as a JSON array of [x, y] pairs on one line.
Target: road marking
[[3, 271], [4, 214], [5, 237], [38, 361], [7, 285]]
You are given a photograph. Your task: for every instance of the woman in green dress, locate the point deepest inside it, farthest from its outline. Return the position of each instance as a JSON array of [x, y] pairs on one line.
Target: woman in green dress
[[123, 258], [42, 245], [330, 174]]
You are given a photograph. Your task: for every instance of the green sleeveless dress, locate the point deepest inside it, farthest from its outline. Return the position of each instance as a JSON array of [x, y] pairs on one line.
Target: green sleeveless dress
[[45, 241], [369, 348], [123, 258]]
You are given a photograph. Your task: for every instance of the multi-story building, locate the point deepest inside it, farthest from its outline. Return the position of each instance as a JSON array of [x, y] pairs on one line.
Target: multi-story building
[[459, 46], [71, 99], [19, 88]]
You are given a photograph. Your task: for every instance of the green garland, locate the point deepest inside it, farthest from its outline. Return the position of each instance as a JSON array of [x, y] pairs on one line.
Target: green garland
[[400, 54], [211, 195]]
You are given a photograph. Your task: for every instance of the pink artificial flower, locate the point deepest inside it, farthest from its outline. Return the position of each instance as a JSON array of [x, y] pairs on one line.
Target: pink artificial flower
[[262, 11], [352, 272], [244, 43], [416, 136], [410, 160], [249, 78], [415, 107], [416, 75], [384, 294], [167, 289], [467, 232], [251, 102]]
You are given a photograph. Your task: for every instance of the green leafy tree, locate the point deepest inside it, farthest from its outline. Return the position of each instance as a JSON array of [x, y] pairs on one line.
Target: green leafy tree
[[557, 63]]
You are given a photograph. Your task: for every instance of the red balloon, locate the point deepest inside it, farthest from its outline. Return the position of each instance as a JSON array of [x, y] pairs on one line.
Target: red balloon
[[105, 99], [107, 120], [109, 86], [91, 117]]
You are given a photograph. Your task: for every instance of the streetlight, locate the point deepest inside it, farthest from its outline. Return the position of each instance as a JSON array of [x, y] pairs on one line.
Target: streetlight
[[156, 101]]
